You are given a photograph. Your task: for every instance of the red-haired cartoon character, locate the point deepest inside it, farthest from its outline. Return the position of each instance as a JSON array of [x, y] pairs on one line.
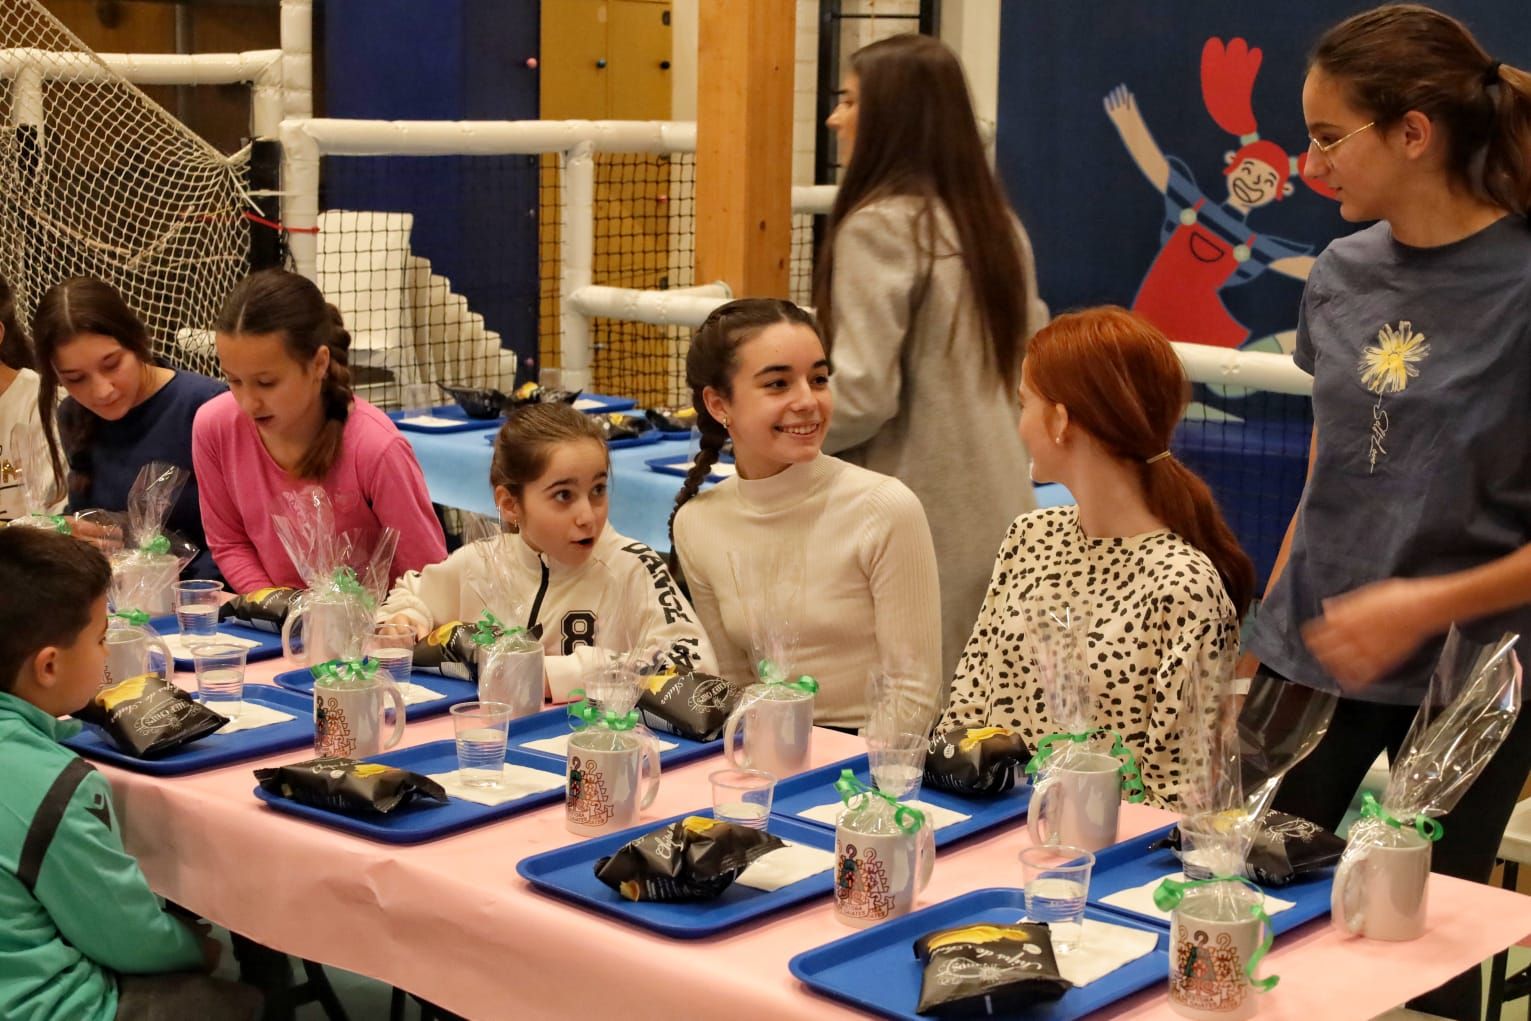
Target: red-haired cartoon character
[[1208, 245]]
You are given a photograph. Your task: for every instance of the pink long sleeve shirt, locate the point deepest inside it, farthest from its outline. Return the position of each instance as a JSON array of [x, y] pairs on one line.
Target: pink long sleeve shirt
[[376, 482]]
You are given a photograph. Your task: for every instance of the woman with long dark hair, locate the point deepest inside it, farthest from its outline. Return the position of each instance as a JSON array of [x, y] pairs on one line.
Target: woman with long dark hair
[[1145, 554], [927, 294]]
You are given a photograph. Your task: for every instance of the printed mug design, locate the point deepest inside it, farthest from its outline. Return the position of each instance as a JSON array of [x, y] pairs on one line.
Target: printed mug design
[[1208, 977], [332, 731], [586, 798], [861, 885]]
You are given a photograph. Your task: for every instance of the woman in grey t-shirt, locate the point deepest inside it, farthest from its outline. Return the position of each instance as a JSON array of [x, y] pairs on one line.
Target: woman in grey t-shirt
[[1417, 330]]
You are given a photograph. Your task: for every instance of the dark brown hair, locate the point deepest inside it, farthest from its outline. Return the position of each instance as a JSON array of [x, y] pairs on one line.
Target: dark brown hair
[[916, 134], [1404, 57], [48, 584], [1122, 383], [77, 306], [15, 348], [711, 362], [526, 441], [277, 301]]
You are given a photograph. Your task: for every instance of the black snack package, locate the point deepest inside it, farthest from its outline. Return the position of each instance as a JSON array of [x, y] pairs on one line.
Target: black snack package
[[264, 609], [350, 786], [531, 393], [672, 420], [619, 425], [694, 859], [977, 761], [147, 716], [449, 651], [1284, 847], [691, 705], [987, 970]]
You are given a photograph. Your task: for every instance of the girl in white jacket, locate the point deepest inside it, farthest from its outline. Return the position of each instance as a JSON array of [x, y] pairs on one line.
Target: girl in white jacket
[[587, 586]]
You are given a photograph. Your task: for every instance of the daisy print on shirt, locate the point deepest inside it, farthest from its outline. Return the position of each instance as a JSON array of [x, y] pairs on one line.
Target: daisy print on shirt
[[1386, 368]]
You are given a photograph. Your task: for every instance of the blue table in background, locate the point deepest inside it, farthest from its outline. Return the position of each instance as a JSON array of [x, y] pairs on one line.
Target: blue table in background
[[456, 467]]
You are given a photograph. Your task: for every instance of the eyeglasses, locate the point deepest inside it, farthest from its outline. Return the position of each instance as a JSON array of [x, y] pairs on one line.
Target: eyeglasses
[[1327, 149]]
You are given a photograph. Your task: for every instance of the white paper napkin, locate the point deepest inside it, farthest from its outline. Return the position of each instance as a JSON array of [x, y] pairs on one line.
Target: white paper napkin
[[180, 645], [785, 866], [414, 693], [560, 745], [1102, 949], [937, 816], [515, 782], [1140, 899], [430, 420], [252, 716]]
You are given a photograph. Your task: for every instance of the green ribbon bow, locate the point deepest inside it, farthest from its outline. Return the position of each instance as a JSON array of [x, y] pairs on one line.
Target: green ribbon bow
[[339, 671], [58, 521], [487, 630], [1168, 895], [585, 713], [133, 618], [1132, 777], [1427, 827], [852, 789], [157, 545], [770, 673]]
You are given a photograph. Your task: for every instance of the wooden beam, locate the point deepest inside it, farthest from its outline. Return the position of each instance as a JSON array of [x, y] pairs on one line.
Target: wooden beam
[[745, 63]]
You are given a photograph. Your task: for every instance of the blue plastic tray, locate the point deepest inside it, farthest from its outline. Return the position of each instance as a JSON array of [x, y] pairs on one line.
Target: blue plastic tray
[[675, 464], [420, 821], [876, 969], [1130, 863], [214, 751], [816, 787], [569, 873], [458, 421], [600, 404], [555, 721], [452, 691], [270, 646]]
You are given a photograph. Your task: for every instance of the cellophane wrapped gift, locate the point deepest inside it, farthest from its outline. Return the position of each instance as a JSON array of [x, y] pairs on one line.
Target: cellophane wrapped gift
[[42, 499], [346, 573], [1470, 706], [509, 657], [152, 556]]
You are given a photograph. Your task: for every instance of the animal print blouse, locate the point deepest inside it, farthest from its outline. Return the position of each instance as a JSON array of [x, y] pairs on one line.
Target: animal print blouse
[[1156, 612]]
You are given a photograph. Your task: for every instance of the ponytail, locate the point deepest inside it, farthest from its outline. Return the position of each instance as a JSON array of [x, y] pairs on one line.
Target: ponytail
[[1122, 382], [277, 301], [1507, 160]]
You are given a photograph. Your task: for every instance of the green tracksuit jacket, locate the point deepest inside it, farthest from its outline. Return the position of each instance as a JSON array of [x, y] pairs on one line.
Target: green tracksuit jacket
[[76, 910]]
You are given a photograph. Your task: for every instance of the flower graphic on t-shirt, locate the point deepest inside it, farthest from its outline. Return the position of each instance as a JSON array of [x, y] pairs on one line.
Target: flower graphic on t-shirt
[[1386, 368], [1388, 365]]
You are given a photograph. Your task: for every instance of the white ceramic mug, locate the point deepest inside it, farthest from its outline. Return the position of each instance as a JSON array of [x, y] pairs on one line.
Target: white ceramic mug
[[611, 775], [1381, 892], [335, 625], [878, 875], [1213, 934], [515, 677], [348, 718], [1077, 804], [127, 652], [778, 730]]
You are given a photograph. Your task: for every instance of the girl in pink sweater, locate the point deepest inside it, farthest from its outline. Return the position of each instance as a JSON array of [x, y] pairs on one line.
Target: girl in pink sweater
[[289, 420]]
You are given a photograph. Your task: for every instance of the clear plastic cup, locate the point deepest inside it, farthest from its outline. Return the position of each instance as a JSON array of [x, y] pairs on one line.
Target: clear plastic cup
[[220, 668], [1057, 882], [742, 796], [393, 646], [196, 607], [898, 762], [481, 730]]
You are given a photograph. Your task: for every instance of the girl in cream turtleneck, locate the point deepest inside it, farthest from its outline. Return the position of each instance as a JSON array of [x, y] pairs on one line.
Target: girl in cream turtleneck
[[870, 601]]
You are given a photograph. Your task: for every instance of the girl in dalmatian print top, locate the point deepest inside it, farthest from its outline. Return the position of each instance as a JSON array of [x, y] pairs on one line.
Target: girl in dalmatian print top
[[1145, 554]]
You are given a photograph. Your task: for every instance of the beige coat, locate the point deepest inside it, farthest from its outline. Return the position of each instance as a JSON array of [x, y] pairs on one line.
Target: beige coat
[[917, 398]]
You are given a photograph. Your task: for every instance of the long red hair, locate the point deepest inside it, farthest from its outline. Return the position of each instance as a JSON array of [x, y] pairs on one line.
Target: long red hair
[[1122, 383]]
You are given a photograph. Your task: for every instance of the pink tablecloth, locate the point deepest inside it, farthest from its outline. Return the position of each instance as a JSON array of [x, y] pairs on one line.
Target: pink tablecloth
[[453, 922]]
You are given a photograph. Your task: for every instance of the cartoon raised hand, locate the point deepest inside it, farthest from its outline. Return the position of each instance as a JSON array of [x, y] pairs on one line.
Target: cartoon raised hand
[[1122, 108]]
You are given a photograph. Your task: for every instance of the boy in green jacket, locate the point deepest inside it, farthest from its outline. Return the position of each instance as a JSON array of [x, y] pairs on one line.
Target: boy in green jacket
[[84, 937]]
